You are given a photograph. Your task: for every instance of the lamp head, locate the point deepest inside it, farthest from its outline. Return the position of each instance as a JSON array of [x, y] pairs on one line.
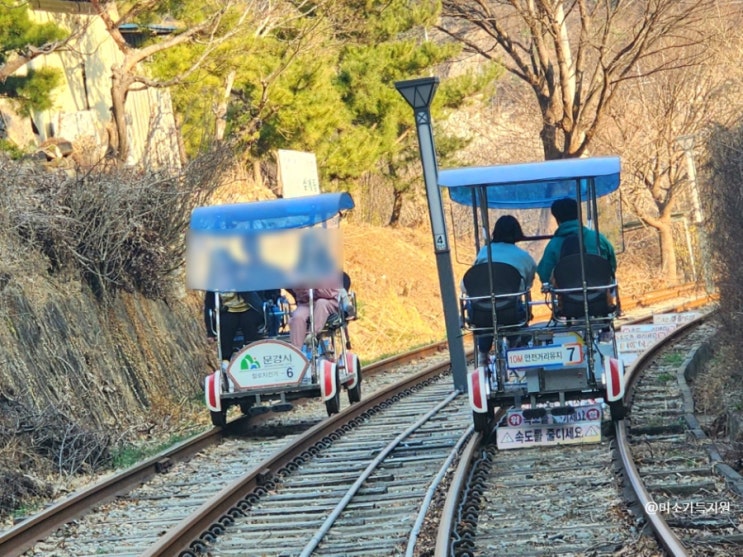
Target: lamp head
[[418, 92]]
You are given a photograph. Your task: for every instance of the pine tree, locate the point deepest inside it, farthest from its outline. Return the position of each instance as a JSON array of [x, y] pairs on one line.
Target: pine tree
[[22, 40]]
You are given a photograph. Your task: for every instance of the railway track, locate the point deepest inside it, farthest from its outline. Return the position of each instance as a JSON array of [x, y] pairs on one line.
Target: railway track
[[177, 515], [358, 494], [181, 478], [572, 499], [563, 500], [693, 502]]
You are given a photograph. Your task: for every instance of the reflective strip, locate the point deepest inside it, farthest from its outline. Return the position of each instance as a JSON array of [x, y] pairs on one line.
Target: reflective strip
[[351, 368], [328, 379], [476, 391], [213, 402], [615, 386]]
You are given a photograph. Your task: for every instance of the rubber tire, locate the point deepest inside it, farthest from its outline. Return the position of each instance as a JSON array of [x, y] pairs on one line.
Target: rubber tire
[[618, 411], [219, 419], [481, 421], [333, 405], [354, 394]]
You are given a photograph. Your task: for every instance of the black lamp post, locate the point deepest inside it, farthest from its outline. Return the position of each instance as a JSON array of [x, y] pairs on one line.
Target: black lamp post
[[419, 94]]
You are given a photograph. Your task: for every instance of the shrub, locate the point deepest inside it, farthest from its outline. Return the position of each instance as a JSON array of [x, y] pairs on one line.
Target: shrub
[[724, 199], [119, 229]]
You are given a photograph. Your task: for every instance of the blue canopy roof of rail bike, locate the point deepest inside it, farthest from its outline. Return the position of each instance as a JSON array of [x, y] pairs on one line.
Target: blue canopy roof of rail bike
[[531, 185], [273, 215], [281, 243]]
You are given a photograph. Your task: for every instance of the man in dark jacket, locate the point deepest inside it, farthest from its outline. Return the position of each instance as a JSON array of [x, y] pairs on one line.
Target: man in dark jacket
[[239, 311], [565, 212]]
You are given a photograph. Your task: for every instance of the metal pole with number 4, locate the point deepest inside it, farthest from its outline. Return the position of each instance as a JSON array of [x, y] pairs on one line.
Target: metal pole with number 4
[[419, 94]]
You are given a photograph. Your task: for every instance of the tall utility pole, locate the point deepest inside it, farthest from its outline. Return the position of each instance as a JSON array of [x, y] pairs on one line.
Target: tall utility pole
[[419, 94]]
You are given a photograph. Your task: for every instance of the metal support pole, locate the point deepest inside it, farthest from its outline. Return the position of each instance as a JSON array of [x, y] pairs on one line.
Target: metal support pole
[[419, 94]]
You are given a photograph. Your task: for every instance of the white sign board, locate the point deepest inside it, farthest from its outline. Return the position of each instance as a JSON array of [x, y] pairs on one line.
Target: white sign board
[[675, 318], [638, 338], [582, 426], [267, 363], [633, 340], [536, 435], [552, 355], [298, 173]]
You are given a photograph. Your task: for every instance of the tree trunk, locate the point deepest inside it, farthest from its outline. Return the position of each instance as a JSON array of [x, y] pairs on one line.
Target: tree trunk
[[120, 83], [549, 132], [221, 116], [396, 208], [667, 252], [257, 174]]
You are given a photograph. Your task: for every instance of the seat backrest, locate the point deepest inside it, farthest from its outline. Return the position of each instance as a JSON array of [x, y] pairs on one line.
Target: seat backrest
[[506, 280], [570, 245], [598, 273]]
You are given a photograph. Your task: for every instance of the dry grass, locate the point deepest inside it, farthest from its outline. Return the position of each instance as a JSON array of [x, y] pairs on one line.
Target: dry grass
[[718, 401], [396, 282]]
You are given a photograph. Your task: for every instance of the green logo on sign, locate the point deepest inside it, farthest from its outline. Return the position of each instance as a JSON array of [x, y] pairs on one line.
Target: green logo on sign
[[249, 363]]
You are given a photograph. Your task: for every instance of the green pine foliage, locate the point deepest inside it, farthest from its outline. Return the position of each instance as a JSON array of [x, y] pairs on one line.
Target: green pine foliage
[[17, 31], [33, 90], [323, 82], [17, 34]]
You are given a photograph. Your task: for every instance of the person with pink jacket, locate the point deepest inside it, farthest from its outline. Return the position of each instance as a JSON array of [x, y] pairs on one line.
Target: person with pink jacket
[[325, 304]]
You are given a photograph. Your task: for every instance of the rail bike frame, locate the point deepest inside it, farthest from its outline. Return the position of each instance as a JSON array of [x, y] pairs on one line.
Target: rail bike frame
[[236, 248], [542, 369]]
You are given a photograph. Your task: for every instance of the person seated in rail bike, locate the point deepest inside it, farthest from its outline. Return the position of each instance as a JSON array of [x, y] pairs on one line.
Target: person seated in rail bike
[[565, 212], [325, 304], [506, 232], [560, 263], [239, 311]]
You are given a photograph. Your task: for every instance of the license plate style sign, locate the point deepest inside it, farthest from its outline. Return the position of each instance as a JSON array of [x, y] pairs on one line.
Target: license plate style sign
[[545, 356]]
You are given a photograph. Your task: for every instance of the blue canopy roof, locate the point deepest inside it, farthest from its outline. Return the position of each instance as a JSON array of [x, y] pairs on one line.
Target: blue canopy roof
[[275, 214], [531, 185]]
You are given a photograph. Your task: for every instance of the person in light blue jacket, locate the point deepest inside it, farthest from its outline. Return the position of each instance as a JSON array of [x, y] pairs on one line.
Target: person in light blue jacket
[[506, 232], [565, 212]]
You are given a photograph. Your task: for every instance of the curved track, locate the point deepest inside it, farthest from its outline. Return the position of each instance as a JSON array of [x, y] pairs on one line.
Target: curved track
[[570, 499], [191, 499], [689, 503]]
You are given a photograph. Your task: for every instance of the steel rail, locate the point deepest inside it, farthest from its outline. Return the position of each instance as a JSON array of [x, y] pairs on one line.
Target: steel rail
[[666, 536], [177, 540], [447, 520], [311, 545], [453, 494], [666, 294], [433, 486], [24, 535]]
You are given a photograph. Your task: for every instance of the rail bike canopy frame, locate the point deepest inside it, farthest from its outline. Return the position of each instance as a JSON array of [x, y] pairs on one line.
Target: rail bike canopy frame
[[535, 186], [227, 252], [244, 222]]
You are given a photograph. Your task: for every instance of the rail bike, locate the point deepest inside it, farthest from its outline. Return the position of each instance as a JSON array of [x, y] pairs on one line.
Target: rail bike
[[564, 369], [272, 245]]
